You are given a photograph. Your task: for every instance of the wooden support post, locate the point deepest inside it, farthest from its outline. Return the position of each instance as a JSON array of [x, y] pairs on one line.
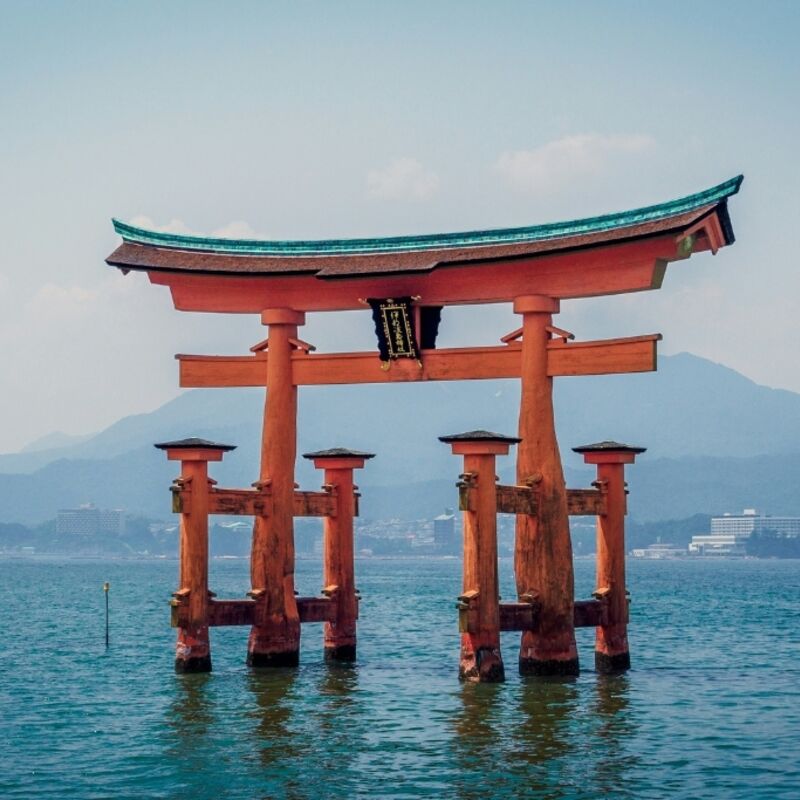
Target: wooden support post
[[193, 650], [275, 637], [338, 548], [611, 643], [479, 603], [543, 551]]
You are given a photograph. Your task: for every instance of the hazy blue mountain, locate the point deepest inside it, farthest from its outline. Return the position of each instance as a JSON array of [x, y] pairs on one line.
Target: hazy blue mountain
[[660, 489], [54, 441], [715, 439]]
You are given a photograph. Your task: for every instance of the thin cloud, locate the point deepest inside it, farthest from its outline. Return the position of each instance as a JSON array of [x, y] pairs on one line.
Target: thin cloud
[[563, 162], [238, 229], [62, 302], [403, 179], [173, 226]]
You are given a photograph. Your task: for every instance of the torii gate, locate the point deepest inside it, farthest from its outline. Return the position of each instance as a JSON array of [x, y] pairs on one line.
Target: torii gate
[[534, 268]]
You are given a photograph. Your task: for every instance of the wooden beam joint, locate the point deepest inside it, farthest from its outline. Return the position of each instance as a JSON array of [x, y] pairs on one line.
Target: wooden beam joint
[[243, 612], [255, 502], [590, 613], [247, 502], [586, 502], [315, 504], [524, 616], [519, 616], [517, 500]]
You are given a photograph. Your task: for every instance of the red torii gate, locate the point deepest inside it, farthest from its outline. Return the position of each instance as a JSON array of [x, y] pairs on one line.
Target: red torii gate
[[533, 268]]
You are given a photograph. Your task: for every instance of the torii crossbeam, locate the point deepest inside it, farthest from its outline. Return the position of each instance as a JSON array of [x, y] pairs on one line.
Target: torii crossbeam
[[533, 268]]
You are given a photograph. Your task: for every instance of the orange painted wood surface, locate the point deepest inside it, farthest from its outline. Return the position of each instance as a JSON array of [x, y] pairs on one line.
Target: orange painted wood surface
[[481, 659], [209, 371], [633, 354], [543, 550], [603, 357], [193, 647], [243, 612], [193, 556], [275, 636], [339, 566], [611, 641], [252, 502], [625, 266], [523, 500]]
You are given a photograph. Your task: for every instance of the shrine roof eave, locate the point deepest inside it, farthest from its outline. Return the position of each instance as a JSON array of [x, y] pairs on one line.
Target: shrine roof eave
[[156, 251]]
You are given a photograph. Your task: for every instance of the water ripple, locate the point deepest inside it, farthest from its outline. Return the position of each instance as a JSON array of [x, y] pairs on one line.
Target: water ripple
[[711, 708]]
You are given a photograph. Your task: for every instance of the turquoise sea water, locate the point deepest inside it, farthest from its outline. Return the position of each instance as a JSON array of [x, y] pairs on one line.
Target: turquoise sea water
[[711, 708]]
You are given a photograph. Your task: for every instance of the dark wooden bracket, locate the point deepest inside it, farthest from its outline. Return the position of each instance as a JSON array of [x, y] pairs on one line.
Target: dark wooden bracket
[[315, 504], [517, 500], [519, 616], [465, 485], [249, 502], [586, 502]]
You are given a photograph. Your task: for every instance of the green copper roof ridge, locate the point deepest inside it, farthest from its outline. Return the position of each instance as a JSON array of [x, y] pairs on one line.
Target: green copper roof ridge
[[435, 241]]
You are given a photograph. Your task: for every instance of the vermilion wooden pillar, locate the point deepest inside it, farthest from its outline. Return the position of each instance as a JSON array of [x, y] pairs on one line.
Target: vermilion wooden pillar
[[611, 643], [543, 550], [338, 547], [275, 637], [481, 659], [193, 650]]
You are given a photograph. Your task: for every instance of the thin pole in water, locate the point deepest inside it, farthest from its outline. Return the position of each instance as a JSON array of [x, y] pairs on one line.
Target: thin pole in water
[[106, 587]]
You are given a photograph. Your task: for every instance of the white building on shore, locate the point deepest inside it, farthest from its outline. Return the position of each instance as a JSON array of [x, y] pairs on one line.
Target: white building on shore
[[730, 532]]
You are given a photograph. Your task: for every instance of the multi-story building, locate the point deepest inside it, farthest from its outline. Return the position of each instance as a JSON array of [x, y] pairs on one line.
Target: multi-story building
[[87, 520], [729, 533], [444, 533]]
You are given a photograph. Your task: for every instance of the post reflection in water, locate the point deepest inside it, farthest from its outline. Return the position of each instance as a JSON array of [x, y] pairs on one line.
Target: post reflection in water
[[544, 737], [292, 733], [479, 741], [615, 727], [545, 743], [337, 725], [190, 714], [336, 687], [191, 721], [275, 734]]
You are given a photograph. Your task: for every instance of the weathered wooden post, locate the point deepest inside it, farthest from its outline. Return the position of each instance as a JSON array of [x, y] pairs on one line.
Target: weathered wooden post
[[543, 549], [190, 499], [275, 637], [611, 643], [338, 547], [479, 603]]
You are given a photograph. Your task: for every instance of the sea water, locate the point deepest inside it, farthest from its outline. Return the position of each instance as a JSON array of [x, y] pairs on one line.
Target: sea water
[[711, 707]]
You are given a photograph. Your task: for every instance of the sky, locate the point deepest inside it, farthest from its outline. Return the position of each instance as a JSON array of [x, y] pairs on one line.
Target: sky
[[318, 119]]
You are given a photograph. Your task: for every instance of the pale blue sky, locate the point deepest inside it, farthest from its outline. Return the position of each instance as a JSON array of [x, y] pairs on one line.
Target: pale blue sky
[[337, 119]]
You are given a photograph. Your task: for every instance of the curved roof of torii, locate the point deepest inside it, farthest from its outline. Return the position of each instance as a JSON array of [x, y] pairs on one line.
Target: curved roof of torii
[[155, 251]]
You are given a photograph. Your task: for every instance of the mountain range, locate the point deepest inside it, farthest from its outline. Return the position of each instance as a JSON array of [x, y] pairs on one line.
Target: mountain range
[[716, 442]]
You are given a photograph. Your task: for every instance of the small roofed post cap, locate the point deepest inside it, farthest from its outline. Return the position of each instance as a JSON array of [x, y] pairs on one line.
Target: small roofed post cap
[[479, 442], [609, 452], [338, 457], [194, 449]]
